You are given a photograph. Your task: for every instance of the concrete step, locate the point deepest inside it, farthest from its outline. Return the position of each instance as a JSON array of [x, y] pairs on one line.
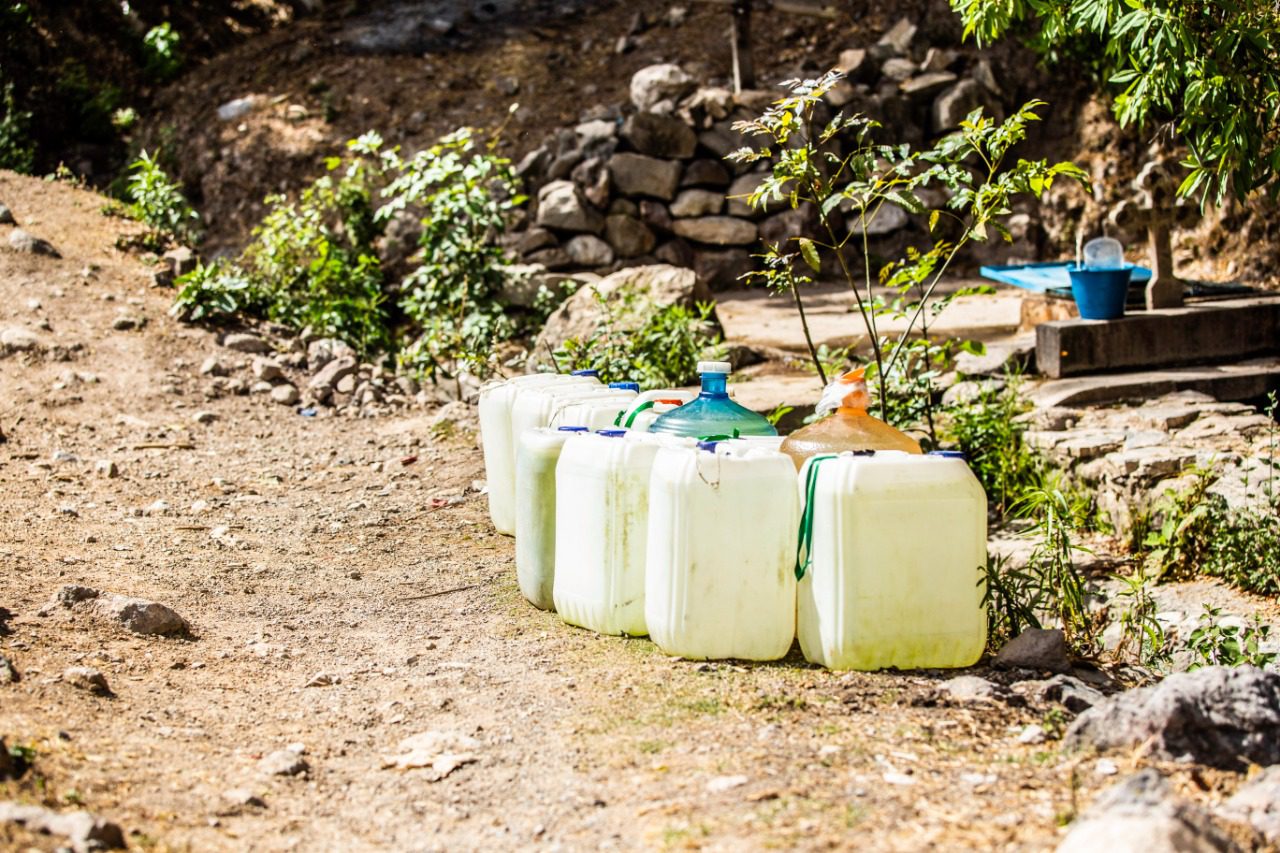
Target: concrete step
[[1171, 337], [758, 318], [1245, 380]]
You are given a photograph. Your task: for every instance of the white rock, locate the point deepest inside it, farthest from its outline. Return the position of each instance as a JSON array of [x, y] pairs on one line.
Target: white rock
[[726, 783], [652, 85]]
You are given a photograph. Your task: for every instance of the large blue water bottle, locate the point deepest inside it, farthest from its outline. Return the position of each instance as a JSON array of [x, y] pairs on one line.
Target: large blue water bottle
[[713, 413]]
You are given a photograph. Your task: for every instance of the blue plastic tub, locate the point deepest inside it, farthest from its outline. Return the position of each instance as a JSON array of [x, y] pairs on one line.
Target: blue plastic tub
[[1100, 294]]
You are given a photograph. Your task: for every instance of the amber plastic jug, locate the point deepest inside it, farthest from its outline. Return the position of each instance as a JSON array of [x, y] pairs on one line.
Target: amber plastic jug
[[848, 427]]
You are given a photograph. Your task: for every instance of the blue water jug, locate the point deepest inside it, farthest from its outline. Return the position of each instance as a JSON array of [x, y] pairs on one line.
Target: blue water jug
[[713, 413]]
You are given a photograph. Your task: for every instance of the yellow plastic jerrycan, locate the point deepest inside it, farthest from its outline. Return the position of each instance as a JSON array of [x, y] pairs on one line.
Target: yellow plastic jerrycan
[[849, 427]]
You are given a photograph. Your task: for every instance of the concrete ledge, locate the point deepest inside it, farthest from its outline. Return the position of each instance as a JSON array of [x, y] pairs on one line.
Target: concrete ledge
[[1244, 381], [1170, 337]]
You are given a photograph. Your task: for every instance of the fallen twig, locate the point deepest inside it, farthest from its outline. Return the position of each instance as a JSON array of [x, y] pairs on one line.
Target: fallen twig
[[441, 592]]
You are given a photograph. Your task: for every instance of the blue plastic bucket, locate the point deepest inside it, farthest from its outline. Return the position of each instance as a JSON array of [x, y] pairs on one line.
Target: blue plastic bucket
[[1100, 294]]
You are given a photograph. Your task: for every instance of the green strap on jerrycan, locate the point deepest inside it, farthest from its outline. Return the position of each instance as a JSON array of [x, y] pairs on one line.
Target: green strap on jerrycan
[[804, 543]]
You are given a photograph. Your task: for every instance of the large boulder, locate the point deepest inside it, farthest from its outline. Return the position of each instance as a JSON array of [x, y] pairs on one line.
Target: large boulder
[[647, 289], [660, 85], [562, 205], [660, 136], [1220, 716], [640, 175]]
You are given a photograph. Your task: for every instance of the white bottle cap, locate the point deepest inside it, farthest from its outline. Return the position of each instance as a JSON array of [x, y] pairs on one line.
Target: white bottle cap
[[715, 367]]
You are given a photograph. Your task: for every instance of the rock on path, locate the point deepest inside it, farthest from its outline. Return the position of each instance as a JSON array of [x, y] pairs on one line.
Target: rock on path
[[83, 831], [21, 241], [136, 614]]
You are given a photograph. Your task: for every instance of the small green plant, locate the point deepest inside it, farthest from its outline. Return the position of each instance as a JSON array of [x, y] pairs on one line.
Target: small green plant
[[157, 200], [846, 177], [779, 412], [124, 119], [910, 388], [1048, 590], [1056, 517], [17, 151], [1054, 723], [162, 58], [1200, 533], [215, 292], [1011, 596], [22, 756], [1142, 637], [662, 353], [1216, 643], [988, 430]]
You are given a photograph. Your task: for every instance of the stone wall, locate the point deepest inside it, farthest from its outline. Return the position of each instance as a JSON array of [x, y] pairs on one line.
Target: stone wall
[[647, 182]]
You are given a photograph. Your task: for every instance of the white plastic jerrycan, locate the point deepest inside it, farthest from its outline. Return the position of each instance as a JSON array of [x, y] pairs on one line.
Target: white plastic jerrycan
[[496, 402], [594, 413], [645, 408], [891, 546], [602, 512], [536, 460], [534, 409], [719, 573]]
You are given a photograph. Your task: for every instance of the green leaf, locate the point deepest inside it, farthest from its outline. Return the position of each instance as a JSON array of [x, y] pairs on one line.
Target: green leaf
[[810, 253]]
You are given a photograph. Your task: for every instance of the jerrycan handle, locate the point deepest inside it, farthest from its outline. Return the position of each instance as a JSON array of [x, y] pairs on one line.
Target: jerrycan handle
[[804, 543]]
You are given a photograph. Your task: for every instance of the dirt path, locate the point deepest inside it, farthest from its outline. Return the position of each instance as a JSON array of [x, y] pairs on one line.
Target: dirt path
[[361, 550]]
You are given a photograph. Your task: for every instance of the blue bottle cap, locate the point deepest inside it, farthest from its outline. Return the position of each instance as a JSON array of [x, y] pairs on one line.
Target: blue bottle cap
[[585, 373], [626, 386], [708, 445], [947, 454], [573, 429], [611, 433]]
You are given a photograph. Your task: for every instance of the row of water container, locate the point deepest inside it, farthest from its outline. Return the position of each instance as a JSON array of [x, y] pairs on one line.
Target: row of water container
[[704, 537]]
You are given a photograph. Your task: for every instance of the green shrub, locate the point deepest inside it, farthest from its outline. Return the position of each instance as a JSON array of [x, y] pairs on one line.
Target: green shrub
[[1214, 643], [462, 197], [310, 263], [315, 261], [17, 151], [663, 353], [157, 200], [989, 432], [215, 292]]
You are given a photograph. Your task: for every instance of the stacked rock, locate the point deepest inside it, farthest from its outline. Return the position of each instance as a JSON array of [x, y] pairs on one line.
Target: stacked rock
[[648, 183]]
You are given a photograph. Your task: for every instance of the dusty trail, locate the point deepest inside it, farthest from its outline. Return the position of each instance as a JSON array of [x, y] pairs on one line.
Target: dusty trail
[[314, 548]]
